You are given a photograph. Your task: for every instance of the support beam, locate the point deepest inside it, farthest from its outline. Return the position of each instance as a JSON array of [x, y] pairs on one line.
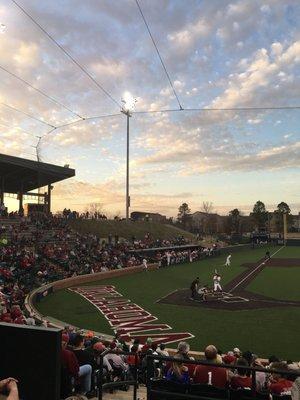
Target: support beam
[[49, 199]]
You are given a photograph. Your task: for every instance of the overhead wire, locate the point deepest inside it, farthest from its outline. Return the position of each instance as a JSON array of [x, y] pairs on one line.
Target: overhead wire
[[28, 115], [80, 120], [40, 91], [237, 109], [158, 53], [50, 37], [17, 127]]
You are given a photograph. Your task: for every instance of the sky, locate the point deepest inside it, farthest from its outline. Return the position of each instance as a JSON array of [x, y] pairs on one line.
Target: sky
[[219, 54]]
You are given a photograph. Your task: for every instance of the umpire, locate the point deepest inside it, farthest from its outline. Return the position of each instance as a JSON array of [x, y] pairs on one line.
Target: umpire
[[194, 287]]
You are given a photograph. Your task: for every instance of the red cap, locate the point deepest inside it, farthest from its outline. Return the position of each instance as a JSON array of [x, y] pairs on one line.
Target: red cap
[[99, 346], [65, 337], [228, 359]]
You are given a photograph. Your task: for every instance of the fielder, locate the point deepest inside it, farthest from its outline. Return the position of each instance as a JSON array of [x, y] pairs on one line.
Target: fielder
[[216, 281], [228, 261], [145, 266]]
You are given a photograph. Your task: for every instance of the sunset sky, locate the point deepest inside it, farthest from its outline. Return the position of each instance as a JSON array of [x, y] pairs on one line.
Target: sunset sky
[[218, 53]]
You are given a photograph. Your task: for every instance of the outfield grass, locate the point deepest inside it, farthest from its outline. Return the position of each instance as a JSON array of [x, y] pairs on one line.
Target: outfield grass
[[279, 283], [266, 331]]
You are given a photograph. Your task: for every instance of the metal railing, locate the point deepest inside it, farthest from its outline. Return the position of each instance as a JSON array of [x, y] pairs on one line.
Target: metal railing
[[150, 378], [151, 359]]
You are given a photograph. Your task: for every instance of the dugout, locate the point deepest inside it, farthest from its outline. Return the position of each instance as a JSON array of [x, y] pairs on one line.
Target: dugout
[[20, 176]]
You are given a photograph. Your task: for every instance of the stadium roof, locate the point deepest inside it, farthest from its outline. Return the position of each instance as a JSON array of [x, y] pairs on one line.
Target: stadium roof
[[15, 172]]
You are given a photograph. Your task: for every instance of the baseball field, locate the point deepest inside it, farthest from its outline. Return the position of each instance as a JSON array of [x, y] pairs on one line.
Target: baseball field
[[261, 312]]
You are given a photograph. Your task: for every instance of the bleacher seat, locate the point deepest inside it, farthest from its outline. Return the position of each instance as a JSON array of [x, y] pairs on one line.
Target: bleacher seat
[[208, 391], [240, 394], [167, 386]]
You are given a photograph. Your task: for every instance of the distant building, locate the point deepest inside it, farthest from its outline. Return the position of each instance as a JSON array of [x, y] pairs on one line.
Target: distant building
[[148, 216], [208, 222]]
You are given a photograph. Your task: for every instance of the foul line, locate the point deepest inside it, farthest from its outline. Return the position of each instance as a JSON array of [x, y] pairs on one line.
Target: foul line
[[252, 272]]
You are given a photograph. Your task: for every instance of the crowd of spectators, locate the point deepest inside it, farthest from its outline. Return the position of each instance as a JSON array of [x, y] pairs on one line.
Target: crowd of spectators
[[118, 365], [41, 249], [238, 377]]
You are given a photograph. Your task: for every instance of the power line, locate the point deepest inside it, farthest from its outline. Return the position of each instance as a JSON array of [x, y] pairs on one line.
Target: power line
[[219, 109], [67, 54], [81, 120], [158, 53], [40, 91], [28, 115], [17, 127]]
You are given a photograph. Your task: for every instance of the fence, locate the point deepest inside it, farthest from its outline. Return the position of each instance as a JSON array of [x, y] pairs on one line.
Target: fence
[[162, 389]]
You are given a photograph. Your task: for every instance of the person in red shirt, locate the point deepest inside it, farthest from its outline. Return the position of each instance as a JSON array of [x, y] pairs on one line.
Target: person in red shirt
[[68, 358], [279, 384], [241, 380], [210, 374]]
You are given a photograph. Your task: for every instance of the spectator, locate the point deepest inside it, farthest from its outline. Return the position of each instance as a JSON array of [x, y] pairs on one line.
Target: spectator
[[84, 357], [260, 375], [241, 380], [178, 372], [161, 350], [81, 374], [279, 384], [210, 374], [296, 390]]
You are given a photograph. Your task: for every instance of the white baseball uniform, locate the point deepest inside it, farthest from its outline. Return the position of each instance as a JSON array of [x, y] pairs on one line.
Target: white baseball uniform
[[228, 261], [217, 285], [145, 266]]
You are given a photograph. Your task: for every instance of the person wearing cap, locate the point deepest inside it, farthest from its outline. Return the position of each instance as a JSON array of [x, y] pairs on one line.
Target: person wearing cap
[[194, 288], [229, 359], [99, 349]]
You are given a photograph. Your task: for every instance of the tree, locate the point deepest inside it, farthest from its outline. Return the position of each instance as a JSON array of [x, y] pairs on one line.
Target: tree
[[94, 208], [207, 207], [184, 214], [282, 208], [234, 220], [260, 214]]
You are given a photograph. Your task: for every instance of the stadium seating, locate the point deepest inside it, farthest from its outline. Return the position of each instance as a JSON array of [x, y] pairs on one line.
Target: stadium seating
[[209, 391]]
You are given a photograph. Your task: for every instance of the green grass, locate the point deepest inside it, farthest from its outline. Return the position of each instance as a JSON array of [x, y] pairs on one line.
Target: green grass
[[127, 229], [264, 331], [279, 283]]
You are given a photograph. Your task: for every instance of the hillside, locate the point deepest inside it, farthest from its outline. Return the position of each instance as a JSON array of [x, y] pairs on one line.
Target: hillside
[[124, 229]]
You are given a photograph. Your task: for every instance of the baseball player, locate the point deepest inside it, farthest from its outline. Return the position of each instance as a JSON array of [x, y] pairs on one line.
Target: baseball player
[[194, 287], [216, 281], [228, 261], [145, 266]]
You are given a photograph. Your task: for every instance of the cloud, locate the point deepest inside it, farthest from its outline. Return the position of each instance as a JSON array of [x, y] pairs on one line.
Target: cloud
[[186, 37], [254, 121], [259, 82]]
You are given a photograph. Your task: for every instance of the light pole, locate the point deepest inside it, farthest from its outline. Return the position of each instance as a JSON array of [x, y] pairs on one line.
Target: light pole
[[127, 108]]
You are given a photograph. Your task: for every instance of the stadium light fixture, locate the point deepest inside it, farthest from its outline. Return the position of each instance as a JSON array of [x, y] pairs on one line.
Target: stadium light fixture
[[127, 108]]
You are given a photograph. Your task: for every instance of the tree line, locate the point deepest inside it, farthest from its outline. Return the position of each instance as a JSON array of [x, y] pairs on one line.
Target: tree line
[[235, 222]]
